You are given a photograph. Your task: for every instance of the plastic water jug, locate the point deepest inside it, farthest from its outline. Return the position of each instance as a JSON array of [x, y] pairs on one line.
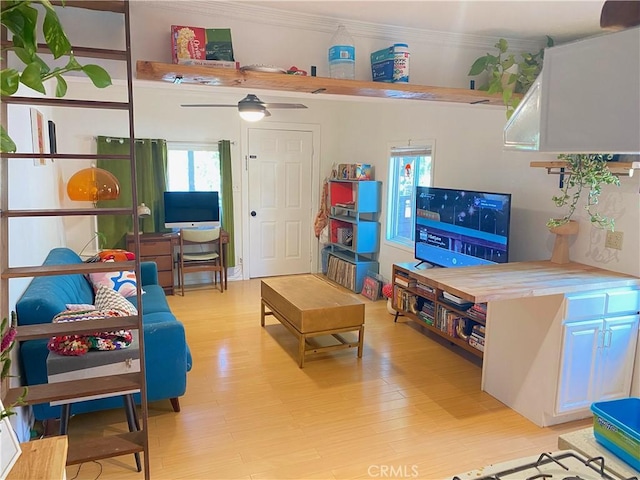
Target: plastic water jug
[[342, 55]]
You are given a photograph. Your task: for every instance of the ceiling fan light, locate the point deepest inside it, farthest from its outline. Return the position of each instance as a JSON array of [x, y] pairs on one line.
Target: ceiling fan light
[[252, 115]]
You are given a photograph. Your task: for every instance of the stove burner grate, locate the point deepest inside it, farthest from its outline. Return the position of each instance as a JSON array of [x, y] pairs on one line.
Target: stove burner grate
[[595, 465]]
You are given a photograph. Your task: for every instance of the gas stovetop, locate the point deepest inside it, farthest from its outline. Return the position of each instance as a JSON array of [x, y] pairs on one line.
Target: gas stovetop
[[563, 465]]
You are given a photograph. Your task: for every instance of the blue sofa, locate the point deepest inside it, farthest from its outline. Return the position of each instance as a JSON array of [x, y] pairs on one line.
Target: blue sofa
[[167, 356]]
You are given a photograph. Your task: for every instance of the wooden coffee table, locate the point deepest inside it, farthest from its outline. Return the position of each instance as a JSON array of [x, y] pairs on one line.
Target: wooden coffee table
[[310, 307]]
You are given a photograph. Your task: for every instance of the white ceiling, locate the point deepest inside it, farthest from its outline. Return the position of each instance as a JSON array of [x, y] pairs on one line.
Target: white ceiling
[[516, 19]]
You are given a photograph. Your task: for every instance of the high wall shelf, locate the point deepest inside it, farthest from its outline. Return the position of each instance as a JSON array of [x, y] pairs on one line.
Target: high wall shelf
[[226, 77], [354, 231], [101, 446]]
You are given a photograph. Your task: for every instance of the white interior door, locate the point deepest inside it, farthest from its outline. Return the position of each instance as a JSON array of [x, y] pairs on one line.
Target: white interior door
[[280, 201]]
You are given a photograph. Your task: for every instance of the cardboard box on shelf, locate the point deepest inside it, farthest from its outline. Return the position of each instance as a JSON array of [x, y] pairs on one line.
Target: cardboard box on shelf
[[196, 43], [382, 63]]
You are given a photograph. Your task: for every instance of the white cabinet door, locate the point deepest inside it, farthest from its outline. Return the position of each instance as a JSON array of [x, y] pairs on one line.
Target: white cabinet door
[[615, 367], [580, 349]]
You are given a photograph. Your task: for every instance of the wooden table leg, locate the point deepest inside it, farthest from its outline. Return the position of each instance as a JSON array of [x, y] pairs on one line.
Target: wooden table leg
[[360, 341], [224, 265], [262, 312], [301, 350]]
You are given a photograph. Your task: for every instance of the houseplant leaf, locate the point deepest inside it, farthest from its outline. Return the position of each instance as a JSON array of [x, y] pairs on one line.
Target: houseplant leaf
[[6, 144], [54, 35], [32, 79], [9, 81], [98, 75]]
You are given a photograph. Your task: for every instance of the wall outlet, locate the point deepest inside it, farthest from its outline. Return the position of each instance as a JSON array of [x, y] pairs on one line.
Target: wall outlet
[[613, 240]]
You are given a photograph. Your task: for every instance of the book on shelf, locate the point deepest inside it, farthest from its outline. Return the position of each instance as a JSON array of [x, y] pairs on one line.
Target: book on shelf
[[455, 299], [425, 288], [345, 204], [341, 272], [477, 342], [406, 282]]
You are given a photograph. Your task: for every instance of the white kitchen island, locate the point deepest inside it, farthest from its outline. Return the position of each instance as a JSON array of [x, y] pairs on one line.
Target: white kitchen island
[[558, 337]]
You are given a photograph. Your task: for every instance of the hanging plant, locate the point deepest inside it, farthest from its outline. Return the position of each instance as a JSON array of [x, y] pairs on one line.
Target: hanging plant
[[587, 173]]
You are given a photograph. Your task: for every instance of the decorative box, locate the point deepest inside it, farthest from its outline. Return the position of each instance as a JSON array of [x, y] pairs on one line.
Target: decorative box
[[195, 43]]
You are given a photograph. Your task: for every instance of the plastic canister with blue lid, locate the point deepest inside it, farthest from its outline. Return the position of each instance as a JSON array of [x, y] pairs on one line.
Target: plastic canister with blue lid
[[401, 62]]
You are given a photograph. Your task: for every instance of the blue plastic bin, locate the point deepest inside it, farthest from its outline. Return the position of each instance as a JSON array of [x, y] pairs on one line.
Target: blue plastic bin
[[616, 425]]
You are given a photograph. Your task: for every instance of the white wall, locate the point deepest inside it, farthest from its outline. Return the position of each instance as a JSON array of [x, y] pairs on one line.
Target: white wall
[[468, 137]]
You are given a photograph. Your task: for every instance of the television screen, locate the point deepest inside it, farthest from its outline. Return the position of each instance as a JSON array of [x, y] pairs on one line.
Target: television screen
[[457, 228], [191, 209]]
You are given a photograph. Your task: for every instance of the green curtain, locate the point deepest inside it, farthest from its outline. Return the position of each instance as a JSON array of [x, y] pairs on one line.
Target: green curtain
[[226, 195], [151, 168]]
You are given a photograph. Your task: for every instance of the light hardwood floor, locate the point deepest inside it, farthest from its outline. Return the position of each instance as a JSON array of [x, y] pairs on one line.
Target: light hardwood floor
[[411, 405]]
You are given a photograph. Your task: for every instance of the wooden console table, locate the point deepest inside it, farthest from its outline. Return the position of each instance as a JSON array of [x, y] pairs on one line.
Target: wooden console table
[[160, 247]]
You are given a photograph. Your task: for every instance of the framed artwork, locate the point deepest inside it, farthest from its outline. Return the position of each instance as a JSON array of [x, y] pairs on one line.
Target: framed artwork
[[9, 447], [371, 288], [38, 135]]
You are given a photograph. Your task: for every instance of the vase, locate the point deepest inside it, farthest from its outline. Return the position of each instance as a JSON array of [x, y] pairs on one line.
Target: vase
[[564, 232]]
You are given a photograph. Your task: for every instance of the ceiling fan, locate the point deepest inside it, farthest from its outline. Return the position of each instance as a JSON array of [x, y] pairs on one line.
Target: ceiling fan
[[251, 108]]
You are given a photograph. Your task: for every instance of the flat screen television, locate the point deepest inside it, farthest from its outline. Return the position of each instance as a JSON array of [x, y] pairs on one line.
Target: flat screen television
[[458, 228], [191, 209]]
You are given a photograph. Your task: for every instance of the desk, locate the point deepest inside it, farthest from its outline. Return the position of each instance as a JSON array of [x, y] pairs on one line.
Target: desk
[[160, 247]]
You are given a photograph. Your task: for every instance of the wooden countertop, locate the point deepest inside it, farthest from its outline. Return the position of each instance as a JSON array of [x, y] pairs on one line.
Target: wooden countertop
[[43, 459], [522, 279]]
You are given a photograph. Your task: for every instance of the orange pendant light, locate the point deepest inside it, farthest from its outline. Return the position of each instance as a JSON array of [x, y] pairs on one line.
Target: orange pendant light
[[93, 185]]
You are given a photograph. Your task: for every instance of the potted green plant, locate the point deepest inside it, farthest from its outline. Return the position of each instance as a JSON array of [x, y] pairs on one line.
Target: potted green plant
[[21, 19], [506, 75], [587, 173]]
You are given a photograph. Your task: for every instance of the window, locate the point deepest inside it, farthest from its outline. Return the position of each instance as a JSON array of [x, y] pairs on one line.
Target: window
[[409, 166], [192, 167]]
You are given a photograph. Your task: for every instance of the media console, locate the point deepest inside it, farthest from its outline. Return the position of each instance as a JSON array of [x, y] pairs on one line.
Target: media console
[[556, 337]]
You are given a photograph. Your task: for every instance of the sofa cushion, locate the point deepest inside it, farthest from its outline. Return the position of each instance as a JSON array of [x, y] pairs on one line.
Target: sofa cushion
[[106, 298], [124, 282]]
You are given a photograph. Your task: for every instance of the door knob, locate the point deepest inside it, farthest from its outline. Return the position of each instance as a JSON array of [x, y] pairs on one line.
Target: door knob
[[253, 213]]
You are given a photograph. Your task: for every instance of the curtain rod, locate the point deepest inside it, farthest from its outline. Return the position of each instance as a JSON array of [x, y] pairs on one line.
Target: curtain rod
[[121, 140]]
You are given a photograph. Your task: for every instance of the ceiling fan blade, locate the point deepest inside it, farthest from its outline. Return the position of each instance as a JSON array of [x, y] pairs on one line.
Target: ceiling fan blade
[[267, 113], [285, 105], [198, 105]]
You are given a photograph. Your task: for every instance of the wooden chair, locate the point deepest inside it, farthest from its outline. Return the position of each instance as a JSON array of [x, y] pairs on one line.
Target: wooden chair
[[207, 258]]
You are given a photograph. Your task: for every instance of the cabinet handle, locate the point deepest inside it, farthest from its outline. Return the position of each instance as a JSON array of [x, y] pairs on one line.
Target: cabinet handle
[[610, 332], [601, 338]]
